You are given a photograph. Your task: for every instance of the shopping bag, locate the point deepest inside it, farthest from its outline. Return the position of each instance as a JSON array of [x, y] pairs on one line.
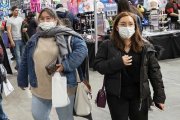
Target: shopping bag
[[7, 87], [59, 90], [82, 104]]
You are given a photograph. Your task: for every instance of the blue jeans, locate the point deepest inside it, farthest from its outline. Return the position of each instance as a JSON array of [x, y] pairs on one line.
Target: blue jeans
[[2, 114], [18, 50], [41, 109]]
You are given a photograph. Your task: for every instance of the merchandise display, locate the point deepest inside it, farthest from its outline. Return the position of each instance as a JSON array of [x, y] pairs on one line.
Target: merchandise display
[[86, 25]]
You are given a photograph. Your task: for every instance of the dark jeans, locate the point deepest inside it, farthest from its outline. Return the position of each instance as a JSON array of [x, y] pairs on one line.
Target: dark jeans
[[2, 114], [18, 50], [122, 108]]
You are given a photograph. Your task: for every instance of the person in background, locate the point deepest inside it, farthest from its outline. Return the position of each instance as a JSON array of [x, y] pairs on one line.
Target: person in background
[[3, 116], [37, 55], [5, 29], [32, 24], [5, 61], [14, 24], [24, 26], [172, 10], [67, 17], [128, 63]]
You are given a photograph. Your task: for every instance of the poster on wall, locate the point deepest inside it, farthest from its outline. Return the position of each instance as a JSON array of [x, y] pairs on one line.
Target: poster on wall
[[35, 5], [161, 3], [85, 6], [4, 7], [81, 6]]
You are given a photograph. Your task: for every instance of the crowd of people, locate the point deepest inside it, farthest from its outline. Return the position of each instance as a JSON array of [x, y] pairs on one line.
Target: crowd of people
[[127, 61]]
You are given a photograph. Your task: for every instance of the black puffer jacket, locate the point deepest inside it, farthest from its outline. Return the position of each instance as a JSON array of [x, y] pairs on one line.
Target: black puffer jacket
[[109, 62]]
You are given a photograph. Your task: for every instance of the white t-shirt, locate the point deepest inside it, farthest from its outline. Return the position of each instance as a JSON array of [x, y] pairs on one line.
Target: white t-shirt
[[15, 23]]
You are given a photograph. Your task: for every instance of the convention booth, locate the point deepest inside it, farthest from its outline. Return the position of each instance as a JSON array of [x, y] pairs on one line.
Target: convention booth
[[169, 41], [158, 27]]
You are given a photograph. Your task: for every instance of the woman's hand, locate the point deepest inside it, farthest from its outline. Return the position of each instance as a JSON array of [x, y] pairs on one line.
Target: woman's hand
[[60, 67], [160, 106], [127, 60]]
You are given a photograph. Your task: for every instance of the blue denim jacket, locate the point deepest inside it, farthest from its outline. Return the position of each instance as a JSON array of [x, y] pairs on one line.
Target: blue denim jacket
[[26, 72]]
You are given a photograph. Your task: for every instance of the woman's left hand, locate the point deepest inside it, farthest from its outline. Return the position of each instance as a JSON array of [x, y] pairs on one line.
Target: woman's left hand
[[160, 106], [60, 67]]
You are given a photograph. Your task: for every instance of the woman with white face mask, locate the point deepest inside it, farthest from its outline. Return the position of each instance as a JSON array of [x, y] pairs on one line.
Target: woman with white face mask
[[49, 44], [128, 63]]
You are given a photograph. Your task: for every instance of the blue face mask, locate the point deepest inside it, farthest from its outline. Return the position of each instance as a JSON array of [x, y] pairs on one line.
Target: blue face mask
[[47, 25]]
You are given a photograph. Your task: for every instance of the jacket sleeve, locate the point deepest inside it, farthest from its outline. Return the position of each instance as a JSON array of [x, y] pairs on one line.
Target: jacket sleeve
[[155, 77], [74, 59], [22, 78], [106, 65], [1, 54]]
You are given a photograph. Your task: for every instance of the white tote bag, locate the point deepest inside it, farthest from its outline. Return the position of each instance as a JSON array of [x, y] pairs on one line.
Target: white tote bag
[[82, 105], [7, 87], [59, 90]]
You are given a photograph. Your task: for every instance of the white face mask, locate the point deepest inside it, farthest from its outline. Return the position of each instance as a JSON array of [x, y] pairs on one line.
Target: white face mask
[[126, 32], [47, 25]]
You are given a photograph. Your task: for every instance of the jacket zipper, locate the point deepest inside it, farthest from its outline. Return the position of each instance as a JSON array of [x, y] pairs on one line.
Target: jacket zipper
[[120, 86], [140, 105], [141, 77]]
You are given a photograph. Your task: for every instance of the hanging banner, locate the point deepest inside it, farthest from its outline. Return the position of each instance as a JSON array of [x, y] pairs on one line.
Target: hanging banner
[[35, 5], [110, 7]]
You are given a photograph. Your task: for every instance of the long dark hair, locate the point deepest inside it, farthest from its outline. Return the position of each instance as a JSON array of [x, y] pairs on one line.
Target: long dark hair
[[123, 6], [52, 13], [136, 40]]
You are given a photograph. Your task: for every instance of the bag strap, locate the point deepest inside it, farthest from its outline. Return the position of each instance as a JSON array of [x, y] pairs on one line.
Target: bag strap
[[69, 43], [103, 86], [70, 50]]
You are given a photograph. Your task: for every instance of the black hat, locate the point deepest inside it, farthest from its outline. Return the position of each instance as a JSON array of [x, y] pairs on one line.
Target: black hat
[[58, 6]]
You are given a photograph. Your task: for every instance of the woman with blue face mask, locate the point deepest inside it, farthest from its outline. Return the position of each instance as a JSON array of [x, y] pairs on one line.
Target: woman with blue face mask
[[49, 43], [128, 63]]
